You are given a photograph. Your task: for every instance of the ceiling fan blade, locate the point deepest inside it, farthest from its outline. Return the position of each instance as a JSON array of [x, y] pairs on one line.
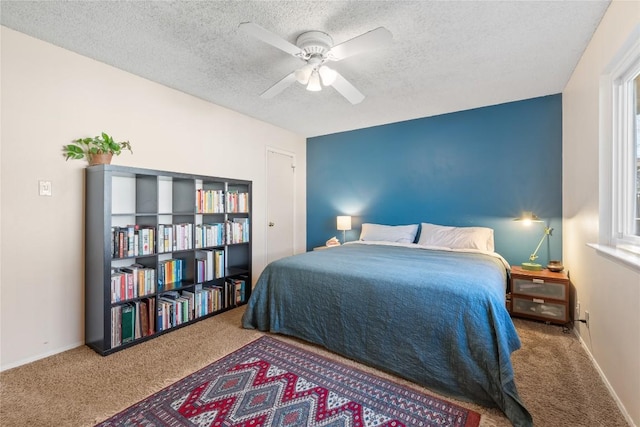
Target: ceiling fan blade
[[347, 90], [273, 39], [362, 43], [279, 86]]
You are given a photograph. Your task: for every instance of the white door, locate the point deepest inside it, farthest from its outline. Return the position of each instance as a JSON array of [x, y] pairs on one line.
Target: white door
[[280, 204]]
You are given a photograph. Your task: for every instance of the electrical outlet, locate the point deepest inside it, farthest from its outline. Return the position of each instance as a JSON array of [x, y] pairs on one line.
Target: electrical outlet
[[577, 310], [44, 188], [586, 318]]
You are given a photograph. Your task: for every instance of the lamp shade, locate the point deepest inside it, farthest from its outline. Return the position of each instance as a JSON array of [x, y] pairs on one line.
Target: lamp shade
[[528, 217], [314, 82], [344, 222], [303, 74], [328, 75]]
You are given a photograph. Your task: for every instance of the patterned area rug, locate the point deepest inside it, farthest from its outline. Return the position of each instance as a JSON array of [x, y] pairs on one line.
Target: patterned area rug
[[272, 383]]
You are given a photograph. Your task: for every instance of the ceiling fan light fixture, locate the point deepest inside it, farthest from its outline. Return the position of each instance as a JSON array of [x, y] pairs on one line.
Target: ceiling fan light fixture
[[328, 75], [314, 82]]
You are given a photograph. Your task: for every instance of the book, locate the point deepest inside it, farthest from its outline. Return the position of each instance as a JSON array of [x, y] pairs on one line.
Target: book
[[144, 318], [191, 298], [218, 260], [160, 238], [121, 248], [128, 323], [211, 274], [137, 329], [129, 242], [118, 287], [114, 242], [146, 241], [161, 317], [151, 308], [116, 325], [131, 273]]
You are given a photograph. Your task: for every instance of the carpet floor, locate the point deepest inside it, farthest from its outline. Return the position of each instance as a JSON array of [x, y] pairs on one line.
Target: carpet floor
[[554, 376]]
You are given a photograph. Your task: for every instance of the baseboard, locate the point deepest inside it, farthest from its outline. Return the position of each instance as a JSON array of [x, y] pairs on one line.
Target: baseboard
[[612, 392], [40, 356]]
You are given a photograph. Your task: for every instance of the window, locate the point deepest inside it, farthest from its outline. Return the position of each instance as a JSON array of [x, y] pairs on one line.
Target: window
[[620, 150], [626, 160], [637, 155]]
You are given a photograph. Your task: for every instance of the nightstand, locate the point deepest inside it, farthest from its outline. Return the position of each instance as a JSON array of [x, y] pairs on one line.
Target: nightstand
[[541, 295]]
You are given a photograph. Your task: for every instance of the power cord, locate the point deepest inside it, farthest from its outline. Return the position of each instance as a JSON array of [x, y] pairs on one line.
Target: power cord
[[568, 326]]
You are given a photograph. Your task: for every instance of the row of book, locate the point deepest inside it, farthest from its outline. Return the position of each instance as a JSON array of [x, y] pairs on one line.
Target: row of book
[[214, 201], [132, 240], [132, 321], [175, 237], [132, 282], [170, 273], [235, 290], [137, 240], [208, 235], [212, 298], [237, 202], [136, 280], [174, 309], [209, 265], [135, 320], [237, 231], [209, 201]]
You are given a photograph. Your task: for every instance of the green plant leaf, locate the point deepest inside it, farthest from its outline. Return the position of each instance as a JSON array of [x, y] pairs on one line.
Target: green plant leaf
[[103, 143]]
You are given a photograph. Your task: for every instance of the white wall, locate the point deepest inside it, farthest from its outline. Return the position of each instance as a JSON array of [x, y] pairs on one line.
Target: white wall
[[51, 96], [609, 290]]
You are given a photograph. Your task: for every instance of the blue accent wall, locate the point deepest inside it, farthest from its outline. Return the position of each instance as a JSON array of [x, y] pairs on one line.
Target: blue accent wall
[[479, 167]]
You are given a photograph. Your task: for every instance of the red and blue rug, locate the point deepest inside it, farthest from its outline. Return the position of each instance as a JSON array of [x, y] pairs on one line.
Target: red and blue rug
[[272, 383]]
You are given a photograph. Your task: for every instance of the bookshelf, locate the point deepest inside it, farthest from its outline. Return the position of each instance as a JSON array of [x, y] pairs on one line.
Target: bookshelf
[[162, 250]]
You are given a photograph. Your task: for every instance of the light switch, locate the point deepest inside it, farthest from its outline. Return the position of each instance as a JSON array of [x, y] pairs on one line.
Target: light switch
[[45, 188]]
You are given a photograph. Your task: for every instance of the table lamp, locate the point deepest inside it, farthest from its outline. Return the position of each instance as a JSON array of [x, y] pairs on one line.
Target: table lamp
[[527, 218], [344, 224]]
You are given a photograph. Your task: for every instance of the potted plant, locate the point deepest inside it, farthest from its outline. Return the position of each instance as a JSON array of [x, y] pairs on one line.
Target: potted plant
[[97, 150]]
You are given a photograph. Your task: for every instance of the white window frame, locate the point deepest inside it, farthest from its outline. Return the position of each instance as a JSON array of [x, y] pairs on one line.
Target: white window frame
[[617, 138], [624, 157]]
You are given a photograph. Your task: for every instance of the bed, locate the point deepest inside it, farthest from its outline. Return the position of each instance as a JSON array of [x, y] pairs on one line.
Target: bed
[[433, 316]]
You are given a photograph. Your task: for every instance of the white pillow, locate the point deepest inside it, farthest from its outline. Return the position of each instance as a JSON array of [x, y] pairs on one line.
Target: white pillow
[[389, 233], [457, 237]]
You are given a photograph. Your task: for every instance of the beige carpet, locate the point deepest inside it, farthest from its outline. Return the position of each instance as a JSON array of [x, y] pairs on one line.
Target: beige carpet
[[555, 378]]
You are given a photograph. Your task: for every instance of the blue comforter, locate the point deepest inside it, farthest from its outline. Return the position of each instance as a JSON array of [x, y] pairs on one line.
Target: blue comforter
[[437, 318]]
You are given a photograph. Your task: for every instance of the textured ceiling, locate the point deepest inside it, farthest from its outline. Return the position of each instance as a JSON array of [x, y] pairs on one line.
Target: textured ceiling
[[445, 56]]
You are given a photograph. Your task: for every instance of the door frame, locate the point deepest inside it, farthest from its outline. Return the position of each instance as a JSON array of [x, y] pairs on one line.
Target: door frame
[[266, 205]]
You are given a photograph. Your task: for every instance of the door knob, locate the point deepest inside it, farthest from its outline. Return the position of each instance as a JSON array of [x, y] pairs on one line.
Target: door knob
[[271, 224]]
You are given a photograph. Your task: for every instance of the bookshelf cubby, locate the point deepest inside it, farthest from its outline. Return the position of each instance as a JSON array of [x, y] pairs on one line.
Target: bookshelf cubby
[[162, 250]]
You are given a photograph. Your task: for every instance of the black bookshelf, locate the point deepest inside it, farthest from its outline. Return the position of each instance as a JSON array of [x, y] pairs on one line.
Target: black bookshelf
[[126, 268]]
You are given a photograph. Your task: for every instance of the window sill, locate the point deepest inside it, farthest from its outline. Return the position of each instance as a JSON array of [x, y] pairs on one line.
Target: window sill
[[627, 258]]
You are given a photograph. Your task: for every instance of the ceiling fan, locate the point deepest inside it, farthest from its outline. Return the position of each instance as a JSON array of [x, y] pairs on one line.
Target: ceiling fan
[[316, 48]]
